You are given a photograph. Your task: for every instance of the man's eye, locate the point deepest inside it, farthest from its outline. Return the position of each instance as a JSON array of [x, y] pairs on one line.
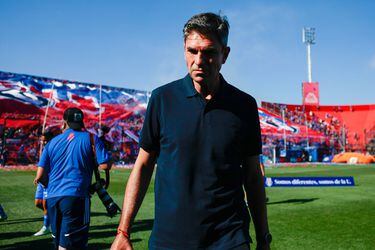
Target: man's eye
[[210, 52], [192, 51]]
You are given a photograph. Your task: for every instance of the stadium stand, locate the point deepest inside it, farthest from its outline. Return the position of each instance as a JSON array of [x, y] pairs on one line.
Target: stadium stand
[[304, 133], [350, 126], [24, 100]]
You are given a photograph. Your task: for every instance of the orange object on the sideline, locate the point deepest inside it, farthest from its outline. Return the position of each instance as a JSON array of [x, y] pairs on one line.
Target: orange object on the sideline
[[353, 158]]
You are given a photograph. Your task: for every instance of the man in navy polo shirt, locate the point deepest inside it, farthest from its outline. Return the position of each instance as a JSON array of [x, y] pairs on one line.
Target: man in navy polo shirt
[[68, 161], [204, 135]]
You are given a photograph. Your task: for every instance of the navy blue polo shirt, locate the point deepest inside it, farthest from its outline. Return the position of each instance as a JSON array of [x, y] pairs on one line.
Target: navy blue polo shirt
[[199, 200]]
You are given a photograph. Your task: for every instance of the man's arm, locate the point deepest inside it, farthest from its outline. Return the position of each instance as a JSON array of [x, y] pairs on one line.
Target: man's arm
[[256, 198], [136, 188], [106, 166], [39, 175], [43, 168]]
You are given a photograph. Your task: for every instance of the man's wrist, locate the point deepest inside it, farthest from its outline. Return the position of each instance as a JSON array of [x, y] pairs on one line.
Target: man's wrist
[[124, 233], [264, 240]]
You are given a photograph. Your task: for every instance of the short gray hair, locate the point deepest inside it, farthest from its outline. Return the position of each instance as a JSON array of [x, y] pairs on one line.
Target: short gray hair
[[208, 24]]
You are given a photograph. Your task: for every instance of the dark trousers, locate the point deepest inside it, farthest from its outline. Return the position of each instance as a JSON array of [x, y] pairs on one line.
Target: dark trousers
[[70, 218]]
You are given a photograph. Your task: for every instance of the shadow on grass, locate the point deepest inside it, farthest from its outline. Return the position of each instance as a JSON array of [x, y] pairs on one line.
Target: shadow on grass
[[109, 231], [44, 244], [298, 201], [96, 232], [96, 214], [7, 236], [48, 244], [100, 246], [25, 220], [139, 225], [27, 245], [143, 225]]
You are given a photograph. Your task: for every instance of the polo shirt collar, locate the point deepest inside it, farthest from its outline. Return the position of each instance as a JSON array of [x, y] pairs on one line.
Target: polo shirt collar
[[221, 92], [190, 91]]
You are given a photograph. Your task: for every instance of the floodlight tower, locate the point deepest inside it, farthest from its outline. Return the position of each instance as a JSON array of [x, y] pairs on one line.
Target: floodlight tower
[[310, 89], [308, 38]]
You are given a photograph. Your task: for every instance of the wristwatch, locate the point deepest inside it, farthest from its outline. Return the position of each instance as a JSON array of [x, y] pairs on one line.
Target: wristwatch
[[266, 240]]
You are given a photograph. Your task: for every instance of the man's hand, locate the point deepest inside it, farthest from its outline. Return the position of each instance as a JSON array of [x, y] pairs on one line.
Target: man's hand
[[256, 198], [36, 181], [135, 191], [121, 243]]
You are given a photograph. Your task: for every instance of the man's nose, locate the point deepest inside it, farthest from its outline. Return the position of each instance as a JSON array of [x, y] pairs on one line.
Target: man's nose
[[199, 59]]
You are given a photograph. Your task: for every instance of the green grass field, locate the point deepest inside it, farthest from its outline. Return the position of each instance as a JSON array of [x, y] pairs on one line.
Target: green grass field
[[299, 218]]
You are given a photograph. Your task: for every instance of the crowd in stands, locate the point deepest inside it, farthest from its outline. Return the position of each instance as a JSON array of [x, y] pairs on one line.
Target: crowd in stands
[[330, 121], [330, 126], [20, 146], [123, 147], [370, 141], [14, 116]]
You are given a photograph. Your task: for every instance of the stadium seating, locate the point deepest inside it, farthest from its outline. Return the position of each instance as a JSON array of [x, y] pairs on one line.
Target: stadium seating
[[24, 99]]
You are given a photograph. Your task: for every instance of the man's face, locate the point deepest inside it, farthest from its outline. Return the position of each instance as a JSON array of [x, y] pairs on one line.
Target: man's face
[[204, 56]]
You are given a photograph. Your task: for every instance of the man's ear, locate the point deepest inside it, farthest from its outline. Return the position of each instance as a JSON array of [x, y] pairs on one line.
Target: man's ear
[[226, 51], [64, 125]]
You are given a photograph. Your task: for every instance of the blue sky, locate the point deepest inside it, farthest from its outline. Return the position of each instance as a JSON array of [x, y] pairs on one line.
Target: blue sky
[[138, 44]]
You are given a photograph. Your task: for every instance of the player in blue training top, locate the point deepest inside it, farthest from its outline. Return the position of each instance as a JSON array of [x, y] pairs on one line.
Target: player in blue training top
[[68, 161]]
